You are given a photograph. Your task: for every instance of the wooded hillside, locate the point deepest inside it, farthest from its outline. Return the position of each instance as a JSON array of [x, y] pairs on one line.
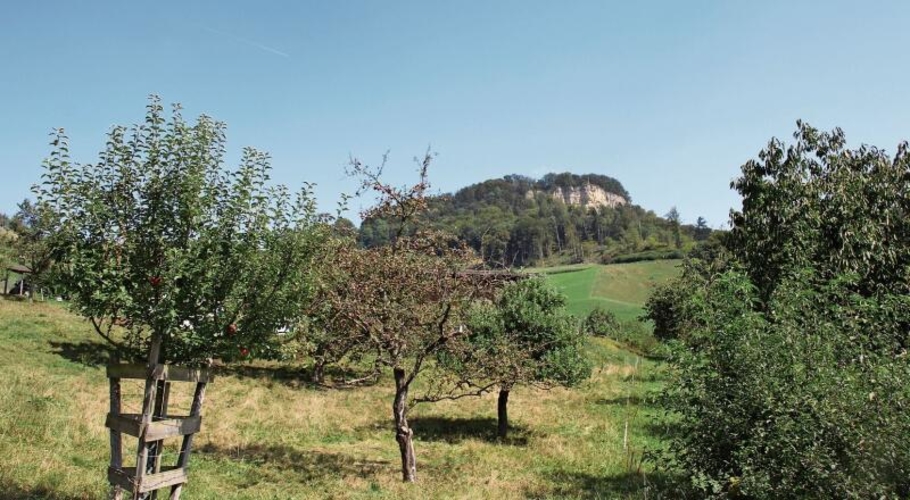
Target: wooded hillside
[[520, 221]]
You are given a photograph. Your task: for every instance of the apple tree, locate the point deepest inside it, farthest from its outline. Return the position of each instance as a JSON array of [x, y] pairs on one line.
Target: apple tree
[[524, 336], [401, 303], [157, 239]]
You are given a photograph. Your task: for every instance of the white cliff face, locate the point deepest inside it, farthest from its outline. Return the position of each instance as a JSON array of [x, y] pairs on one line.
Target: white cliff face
[[586, 196]]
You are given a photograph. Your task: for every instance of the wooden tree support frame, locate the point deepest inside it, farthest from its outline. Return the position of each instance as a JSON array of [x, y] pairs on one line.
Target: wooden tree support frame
[[152, 427]]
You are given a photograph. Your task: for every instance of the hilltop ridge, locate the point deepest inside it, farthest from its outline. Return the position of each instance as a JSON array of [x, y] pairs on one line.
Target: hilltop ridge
[[560, 218]]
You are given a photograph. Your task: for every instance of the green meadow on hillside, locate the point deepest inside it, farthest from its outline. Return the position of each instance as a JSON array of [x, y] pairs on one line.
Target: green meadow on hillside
[[620, 288], [268, 433]]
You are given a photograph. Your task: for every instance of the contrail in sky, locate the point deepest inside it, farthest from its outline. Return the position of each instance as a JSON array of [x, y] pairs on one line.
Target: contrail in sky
[[247, 42]]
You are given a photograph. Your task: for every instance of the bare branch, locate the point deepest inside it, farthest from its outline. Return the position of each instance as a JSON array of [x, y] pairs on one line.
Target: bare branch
[[479, 391]]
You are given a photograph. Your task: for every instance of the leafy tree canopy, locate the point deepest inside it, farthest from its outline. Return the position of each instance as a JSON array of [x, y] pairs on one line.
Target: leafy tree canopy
[[525, 336], [816, 204], [791, 356], [156, 238]]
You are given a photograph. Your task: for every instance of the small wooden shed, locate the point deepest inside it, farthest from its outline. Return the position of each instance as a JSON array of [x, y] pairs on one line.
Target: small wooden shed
[[15, 268]]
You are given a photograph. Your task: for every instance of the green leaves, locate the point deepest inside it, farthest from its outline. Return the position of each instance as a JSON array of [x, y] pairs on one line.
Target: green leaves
[[819, 205], [786, 400], [157, 237], [601, 323], [525, 336], [790, 353]]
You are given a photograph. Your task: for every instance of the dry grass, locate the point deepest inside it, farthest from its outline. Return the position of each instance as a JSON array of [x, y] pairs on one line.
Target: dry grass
[[266, 434]]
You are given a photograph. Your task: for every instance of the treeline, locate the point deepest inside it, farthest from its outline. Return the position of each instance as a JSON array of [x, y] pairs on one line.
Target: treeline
[[516, 221]]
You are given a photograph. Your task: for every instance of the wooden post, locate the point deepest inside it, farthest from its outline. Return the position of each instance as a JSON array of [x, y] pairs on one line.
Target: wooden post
[[184, 458], [116, 442], [152, 427], [157, 448], [148, 410]]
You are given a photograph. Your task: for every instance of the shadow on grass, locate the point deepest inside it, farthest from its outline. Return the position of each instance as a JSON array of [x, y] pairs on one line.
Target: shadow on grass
[[268, 375], [634, 346], [457, 430], [623, 401], [84, 353], [10, 491], [586, 486], [664, 430], [291, 376], [305, 465], [98, 354]]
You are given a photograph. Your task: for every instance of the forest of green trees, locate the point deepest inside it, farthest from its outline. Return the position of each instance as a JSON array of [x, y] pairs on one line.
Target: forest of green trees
[[515, 221]]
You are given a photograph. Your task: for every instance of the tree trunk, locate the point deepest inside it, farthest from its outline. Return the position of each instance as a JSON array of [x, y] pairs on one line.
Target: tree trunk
[[503, 410], [403, 433], [319, 371]]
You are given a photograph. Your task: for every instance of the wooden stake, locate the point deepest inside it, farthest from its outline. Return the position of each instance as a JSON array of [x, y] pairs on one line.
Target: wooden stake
[[148, 409], [187, 446], [157, 447], [116, 442]]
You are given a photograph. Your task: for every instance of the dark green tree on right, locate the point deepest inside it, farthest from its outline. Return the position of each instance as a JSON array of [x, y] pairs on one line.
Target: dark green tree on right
[[791, 365], [817, 205]]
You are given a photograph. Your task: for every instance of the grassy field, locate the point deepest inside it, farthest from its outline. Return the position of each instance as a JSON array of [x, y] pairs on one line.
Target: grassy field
[[268, 434], [620, 288]]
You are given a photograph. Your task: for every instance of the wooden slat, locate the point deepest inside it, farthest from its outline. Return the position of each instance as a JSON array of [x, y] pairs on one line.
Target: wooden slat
[[116, 442], [173, 427], [127, 371], [148, 407], [163, 479], [127, 423], [181, 374], [126, 478], [161, 372], [131, 423], [121, 476]]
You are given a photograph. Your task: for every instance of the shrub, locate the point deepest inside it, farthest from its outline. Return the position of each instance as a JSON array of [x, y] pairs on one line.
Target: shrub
[[638, 336], [795, 403], [645, 256], [601, 323], [791, 345], [670, 309]]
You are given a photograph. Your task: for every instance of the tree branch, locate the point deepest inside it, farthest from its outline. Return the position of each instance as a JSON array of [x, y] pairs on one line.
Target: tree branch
[[106, 335], [480, 391]]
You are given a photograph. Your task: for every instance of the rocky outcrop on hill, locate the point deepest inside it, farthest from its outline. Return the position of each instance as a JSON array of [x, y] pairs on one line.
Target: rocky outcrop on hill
[[587, 196]]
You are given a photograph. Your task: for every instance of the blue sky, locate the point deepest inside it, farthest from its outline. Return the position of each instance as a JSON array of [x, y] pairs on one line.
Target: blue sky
[[668, 97]]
